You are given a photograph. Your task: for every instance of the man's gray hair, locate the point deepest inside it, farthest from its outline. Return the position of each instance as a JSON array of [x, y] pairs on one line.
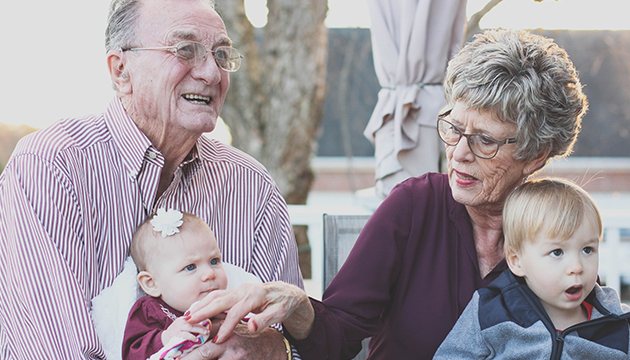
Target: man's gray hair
[[524, 79], [121, 23]]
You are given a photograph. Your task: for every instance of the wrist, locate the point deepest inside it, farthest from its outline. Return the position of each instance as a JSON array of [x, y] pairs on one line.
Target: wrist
[[300, 323]]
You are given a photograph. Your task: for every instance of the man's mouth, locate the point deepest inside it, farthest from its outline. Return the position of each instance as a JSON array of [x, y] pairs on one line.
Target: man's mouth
[[197, 99]]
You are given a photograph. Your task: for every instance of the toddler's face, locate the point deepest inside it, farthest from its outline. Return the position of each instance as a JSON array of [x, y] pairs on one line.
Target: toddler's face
[[188, 267], [561, 272]]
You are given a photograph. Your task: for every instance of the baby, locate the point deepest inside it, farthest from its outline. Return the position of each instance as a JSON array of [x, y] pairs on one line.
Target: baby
[[178, 263], [547, 304]]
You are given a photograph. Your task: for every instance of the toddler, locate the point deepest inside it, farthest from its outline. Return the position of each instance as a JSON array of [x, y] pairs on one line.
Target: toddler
[[547, 305]]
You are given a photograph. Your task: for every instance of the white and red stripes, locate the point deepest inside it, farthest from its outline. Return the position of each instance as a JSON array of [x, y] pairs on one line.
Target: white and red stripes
[[70, 199]]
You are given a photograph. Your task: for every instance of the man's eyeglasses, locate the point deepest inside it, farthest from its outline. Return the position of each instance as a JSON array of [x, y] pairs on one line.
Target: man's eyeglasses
[[192, 53], [481, 145]]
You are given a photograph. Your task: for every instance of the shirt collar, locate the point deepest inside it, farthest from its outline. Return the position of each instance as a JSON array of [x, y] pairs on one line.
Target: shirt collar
[[131, 141]]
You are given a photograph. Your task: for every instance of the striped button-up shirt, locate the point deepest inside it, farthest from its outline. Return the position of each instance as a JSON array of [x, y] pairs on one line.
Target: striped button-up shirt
[[71, 197]]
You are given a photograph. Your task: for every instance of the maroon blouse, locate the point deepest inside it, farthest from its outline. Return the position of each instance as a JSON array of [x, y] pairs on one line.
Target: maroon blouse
[[408, 278]]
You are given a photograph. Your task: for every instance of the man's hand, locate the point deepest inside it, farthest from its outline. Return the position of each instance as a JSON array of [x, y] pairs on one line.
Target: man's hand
[[265, 345]]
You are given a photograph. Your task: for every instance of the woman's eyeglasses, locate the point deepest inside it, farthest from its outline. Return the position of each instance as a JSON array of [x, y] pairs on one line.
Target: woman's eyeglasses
[[481, 145]]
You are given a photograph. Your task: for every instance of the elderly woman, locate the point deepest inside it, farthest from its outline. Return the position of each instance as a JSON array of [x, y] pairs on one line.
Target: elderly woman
[[514, 102]]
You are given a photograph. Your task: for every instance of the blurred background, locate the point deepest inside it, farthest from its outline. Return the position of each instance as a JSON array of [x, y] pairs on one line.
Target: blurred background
[[53, 62]]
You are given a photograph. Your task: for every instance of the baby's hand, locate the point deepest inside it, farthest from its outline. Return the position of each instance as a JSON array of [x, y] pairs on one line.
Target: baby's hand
[[183, 329]]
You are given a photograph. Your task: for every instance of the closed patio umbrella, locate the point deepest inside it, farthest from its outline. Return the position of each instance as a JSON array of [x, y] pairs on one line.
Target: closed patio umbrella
[[412, 41]]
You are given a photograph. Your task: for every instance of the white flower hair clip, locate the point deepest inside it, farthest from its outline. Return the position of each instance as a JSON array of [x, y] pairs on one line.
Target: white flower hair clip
[[167, 221]]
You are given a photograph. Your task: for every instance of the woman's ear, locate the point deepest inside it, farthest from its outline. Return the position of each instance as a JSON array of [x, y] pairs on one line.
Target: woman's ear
[[514, 263], [535, 164], [118, 71], [148, 284]]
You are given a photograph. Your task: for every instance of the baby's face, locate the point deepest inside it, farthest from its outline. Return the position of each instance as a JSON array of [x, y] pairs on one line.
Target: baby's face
[[188, 266], [561, 272]]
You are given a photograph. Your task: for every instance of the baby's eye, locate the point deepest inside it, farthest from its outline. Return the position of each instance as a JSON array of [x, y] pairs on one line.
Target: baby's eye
[[588, 250], [214, 261], [190, 267], [556, 253]]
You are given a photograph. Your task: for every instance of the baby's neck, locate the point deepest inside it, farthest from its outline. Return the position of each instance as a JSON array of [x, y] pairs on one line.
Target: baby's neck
[[563, 319]]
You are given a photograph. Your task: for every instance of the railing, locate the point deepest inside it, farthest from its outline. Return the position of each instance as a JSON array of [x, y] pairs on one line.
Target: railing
[[614, 262]]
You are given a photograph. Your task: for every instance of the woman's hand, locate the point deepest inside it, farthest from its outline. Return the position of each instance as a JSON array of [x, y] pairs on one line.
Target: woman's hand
[[270, 302]]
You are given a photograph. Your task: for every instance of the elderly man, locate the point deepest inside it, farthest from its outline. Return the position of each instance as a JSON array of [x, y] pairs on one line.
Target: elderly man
[[72, 194]]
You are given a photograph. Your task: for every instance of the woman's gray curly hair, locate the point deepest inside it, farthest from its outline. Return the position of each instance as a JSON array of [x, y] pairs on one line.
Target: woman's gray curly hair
[[524, 79], [121, 23]]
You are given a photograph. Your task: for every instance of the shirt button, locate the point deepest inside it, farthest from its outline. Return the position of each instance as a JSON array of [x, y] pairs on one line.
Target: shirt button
[[152, 155]]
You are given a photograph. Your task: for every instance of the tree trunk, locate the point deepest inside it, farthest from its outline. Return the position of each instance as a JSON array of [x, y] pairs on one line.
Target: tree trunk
[[274, 106]]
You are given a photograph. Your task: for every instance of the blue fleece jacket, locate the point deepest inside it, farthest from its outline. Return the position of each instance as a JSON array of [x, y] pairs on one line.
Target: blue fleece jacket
[[507, 321]]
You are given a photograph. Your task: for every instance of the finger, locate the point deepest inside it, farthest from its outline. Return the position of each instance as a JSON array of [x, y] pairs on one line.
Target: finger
[[271, 315], [188, 336], [216, 303], [198, 329], [206, 351]]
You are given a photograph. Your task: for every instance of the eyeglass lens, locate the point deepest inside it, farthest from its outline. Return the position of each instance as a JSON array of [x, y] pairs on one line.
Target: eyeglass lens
[[194, 54], [482, 146]]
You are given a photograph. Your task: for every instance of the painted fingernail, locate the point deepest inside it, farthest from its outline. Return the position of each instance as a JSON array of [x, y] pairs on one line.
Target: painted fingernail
[[187, 317], [255, 326], [214, 340], [187, 313]]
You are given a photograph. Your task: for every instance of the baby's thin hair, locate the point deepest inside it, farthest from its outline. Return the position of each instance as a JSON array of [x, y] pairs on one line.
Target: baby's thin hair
[[553, 205], [141, 244]]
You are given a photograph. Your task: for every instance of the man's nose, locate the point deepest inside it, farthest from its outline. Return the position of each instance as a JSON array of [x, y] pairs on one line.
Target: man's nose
[[208, 71]]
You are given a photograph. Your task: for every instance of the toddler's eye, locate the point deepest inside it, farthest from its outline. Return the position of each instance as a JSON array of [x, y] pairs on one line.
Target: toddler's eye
[[190, 267], [588, 250], [557, 253], [214, 261]]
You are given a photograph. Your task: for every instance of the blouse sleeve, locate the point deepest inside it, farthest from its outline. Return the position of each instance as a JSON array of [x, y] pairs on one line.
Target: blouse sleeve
[[353, 303]]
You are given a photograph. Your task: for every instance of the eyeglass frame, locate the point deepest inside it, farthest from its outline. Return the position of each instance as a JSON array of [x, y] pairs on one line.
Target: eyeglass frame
[[174, 48], [499, 143]]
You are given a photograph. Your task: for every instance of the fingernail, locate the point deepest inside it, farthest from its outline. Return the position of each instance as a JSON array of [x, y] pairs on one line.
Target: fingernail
[[187, 317], [255, 326], [214, 340], [187, 313]]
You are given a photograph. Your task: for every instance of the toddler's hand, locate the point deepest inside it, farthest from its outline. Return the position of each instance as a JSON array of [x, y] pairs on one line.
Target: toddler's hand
[[183, 329]]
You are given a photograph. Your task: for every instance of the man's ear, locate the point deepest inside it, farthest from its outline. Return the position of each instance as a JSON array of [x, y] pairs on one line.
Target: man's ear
[[148, 284], [514, 263], [118, 71]]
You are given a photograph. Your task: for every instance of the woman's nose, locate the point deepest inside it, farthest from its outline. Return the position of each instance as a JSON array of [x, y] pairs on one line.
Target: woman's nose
[[462, 152]]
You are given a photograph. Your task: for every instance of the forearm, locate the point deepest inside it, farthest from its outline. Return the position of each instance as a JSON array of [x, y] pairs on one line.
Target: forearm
[[276, 243], [39, 292], [300, 322]]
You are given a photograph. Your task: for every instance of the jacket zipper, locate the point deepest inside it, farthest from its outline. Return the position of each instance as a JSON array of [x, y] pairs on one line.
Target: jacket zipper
[[558, 342]]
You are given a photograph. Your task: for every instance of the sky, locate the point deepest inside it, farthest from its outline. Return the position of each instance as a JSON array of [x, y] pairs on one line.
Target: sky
[[53, 57]]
